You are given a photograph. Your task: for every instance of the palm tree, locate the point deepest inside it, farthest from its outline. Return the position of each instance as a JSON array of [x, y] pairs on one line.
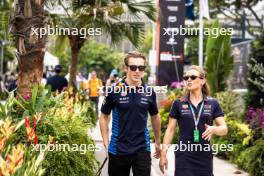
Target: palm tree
[[103, 14], [107, 15], [30, 47]]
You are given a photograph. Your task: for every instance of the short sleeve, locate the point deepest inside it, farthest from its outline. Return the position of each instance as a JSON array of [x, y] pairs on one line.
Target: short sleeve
[[217, 111], [108, 104], [175, 110], [153, 108]]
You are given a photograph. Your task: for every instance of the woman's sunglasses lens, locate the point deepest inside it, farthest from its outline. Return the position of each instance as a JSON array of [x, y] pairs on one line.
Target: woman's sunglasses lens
[[186, 78], [193, 77]]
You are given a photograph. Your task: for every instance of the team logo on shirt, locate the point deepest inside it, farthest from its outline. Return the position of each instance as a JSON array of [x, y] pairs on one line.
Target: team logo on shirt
[[207, 106], [207, 109], [124, 100], [185, 106], [144, 100], [185, 111]]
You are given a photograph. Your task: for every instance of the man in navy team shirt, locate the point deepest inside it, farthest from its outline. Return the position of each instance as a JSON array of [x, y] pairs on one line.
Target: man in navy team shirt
[[129, 146]]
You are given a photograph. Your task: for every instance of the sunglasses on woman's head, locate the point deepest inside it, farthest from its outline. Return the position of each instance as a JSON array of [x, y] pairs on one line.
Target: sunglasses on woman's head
[[135, 67], [193, 77]]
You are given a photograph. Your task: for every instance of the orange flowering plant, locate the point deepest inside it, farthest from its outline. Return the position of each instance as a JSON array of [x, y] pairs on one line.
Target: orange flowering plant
[[43, 118], [31, 131], [12, 157], [53, 119]]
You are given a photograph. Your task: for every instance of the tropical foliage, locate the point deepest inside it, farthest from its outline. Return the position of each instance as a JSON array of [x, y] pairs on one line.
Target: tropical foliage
[[117, 20], [5, 13], [165, 106], [219, 61], [96, 56], [245, 134], [255, 82], [53, 120], [237, 11]]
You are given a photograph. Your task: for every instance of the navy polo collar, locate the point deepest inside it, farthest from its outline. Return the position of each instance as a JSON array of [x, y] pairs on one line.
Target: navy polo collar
[[186, 98], [125, 83]]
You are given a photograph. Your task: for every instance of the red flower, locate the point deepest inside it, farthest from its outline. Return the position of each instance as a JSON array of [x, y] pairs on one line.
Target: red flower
[[31, 131], [27, 121], [27, 96]]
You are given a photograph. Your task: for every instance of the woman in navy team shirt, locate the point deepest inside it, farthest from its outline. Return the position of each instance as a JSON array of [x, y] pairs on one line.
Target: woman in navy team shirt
[[194, 113]]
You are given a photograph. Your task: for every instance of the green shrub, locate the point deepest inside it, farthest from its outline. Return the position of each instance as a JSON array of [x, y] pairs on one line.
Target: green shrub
[[67, 127], [252, 159], [239, 135], [247, 153], [164, 113], [61, 119], [231, 103], [255, 73]]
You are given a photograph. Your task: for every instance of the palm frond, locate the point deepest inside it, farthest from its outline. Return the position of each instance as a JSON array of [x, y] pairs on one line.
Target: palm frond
[[117, 18], [60, 44], [145, 7]]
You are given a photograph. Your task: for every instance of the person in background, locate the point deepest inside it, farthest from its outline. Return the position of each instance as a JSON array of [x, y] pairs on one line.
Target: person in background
[[49, 73], [2, 87], [12, 82], [9, 79], [94, 85], [44, 79], [57, 82], [113, 78], [85, 85], [79, 80]]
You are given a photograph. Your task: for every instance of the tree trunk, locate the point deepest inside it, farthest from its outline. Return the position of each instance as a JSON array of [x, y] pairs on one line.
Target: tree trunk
[[74, 67], [29, 15], [76, 43]]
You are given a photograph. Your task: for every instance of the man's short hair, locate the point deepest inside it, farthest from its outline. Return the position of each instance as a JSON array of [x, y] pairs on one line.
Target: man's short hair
[[134, 54]]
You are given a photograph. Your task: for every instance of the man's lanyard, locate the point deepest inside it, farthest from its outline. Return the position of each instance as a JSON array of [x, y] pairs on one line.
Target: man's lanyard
[[196, 119]]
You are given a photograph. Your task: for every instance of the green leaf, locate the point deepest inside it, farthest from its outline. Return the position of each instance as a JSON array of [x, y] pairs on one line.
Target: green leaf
[[34, 97]]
